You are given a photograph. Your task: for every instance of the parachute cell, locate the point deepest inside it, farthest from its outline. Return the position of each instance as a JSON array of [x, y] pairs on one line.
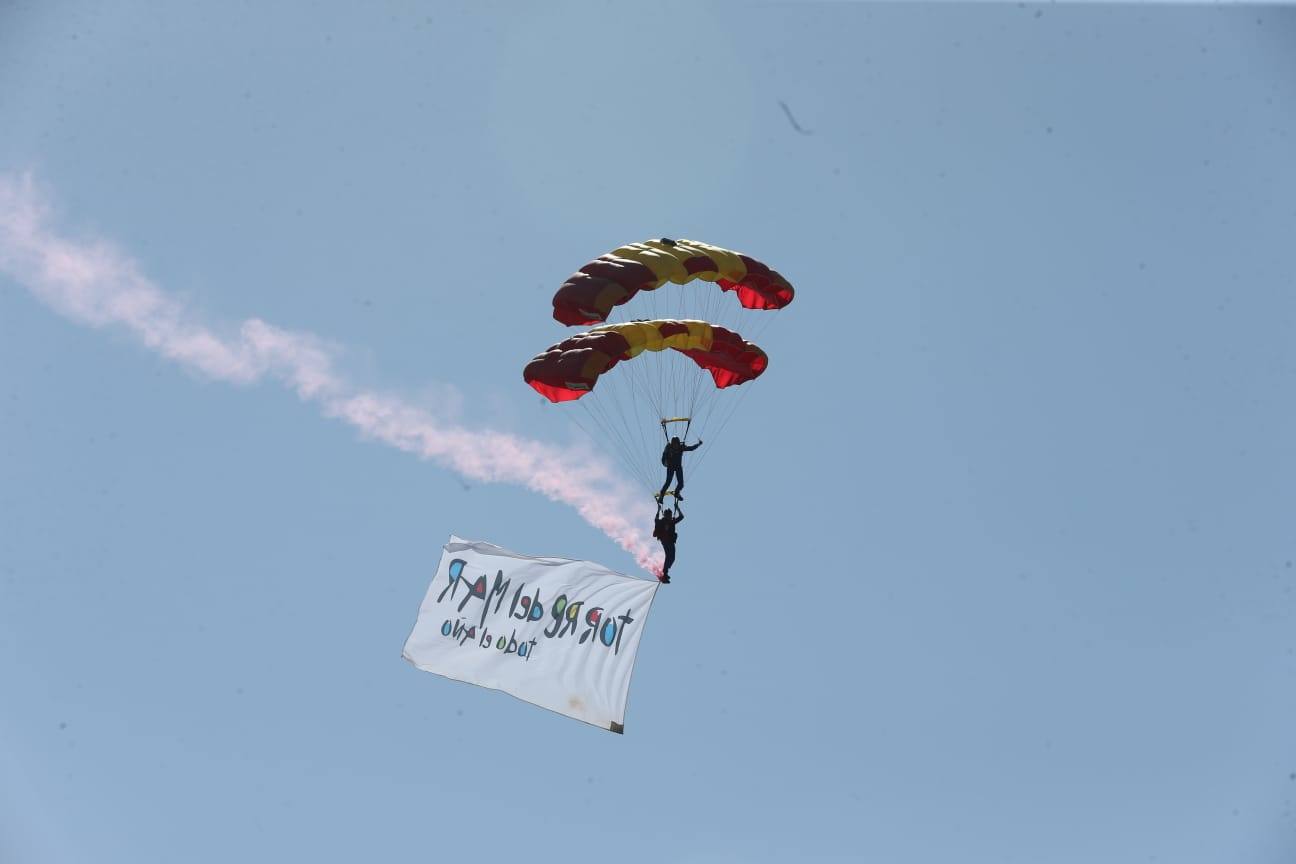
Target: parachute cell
[[590, 294]]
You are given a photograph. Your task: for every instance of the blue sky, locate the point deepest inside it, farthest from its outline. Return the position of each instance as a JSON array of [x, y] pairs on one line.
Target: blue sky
[[996, 565]]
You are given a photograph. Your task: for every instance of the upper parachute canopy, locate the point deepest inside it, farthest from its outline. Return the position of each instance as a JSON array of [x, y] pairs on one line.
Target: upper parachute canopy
[[610, 280], [571, 368]]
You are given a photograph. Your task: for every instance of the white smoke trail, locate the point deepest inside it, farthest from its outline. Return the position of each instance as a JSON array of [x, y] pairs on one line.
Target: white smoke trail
[[92, 283]]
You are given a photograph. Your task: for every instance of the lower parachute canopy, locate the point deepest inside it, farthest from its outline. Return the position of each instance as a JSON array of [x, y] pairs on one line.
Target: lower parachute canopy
[[571, 368], [675, 377]]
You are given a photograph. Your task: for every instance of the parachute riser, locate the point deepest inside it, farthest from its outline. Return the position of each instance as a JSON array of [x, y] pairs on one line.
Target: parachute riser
[[688, 424]]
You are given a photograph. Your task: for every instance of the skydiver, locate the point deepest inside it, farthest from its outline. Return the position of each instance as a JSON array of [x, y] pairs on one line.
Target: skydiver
[[664, 530], [673, 459]]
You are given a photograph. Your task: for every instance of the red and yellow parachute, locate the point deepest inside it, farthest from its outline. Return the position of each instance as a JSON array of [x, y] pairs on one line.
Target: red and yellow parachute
[[571, 368], [590, 294], [679, 352]]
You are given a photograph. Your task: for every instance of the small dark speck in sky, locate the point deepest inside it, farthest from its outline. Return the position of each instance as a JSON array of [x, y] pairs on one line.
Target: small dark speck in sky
[[64, 726], [792, 120]]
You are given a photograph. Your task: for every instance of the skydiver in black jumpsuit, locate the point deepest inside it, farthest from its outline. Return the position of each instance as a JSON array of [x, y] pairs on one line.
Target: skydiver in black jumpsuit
[[673, 459], [664, 530]]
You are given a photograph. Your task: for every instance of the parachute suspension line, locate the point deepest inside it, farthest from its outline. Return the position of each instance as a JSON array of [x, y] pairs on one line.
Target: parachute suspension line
[[693, 385], [639, 412], [636, 471], [719, 307], [699, 383], [642, 384], [688, 421], [678, 386], [643, 416], [714, 411], [621, 398], [685, 374], [631, 372], [722, 407], [603, 443], [597, 414], [704, 420], [733, 409], [728, 413], [645, 441], [694, 390], [766, 318], [665, 401], [660, 371], [628, 410]]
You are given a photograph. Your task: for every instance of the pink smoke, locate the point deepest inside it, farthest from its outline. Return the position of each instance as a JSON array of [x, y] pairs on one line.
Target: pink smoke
[[92, 283]]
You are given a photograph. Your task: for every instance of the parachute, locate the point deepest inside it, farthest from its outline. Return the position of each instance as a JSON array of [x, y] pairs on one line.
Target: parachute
[[571, 368], [680, 353], [590, 294], [671, 374]]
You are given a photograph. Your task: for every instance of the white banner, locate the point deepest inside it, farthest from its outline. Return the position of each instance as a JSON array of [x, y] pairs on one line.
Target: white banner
[[558, 633]]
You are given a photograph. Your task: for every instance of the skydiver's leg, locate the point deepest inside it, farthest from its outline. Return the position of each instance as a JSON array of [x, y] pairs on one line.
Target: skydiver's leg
[[670, 558], [679, 483], [670, 475]]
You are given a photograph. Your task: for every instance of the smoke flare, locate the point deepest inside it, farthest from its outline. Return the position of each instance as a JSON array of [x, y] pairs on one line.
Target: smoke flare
[[92, 283]]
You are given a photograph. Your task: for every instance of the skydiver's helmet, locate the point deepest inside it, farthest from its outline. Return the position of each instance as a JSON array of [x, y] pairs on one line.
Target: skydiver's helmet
[[675, 440]]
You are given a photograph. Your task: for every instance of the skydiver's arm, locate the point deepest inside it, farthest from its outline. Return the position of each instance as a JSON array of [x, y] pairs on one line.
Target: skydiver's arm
[[694, 446]]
